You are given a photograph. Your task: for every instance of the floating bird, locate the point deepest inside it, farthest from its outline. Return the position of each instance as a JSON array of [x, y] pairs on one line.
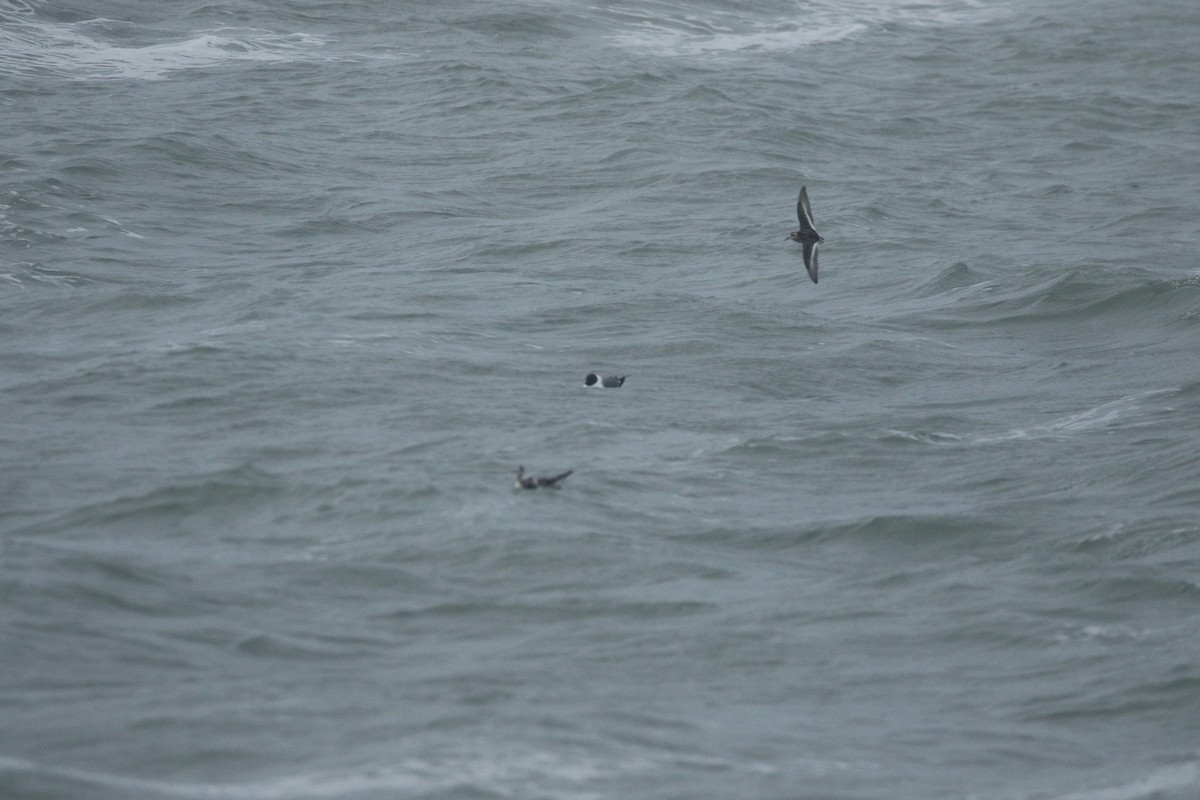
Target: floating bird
[[538, 483], [807, 235], [608, 381]]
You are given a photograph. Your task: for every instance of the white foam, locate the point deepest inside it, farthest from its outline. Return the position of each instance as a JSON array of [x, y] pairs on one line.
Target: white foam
[[121, 227], [691, 28], [653, 35], [1105, 414], [554, 774], [1101, 416], [33, 47]]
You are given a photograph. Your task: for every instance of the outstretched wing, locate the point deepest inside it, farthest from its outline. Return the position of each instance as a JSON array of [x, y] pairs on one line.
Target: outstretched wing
[[804, 211], [810, 259]]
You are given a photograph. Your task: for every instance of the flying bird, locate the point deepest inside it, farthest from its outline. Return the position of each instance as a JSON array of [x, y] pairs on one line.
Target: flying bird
[[538, 483], [807, 235]]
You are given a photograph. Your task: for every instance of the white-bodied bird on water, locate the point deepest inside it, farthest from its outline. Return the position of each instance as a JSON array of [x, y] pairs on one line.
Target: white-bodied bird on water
[[531, 482], [595, 381], [807, 235]]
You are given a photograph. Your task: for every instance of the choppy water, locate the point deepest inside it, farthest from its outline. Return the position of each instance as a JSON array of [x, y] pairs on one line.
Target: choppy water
[[288, 290]]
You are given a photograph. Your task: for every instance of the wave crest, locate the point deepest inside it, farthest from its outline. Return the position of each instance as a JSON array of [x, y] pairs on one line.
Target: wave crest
[[33, 47]]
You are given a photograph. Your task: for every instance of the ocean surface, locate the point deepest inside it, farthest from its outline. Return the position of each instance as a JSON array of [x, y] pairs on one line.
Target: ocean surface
[[288, 290]]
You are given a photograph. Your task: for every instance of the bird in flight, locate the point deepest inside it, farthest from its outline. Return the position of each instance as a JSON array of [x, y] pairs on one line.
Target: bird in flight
[[807, 236]]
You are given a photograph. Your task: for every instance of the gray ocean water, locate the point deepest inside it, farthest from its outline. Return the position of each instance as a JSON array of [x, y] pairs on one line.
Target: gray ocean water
[[288, 290]]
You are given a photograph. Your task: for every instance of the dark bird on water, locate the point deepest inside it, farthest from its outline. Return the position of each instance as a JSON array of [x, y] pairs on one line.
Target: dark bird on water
[[807, 235], [538, 483], [606, 381]]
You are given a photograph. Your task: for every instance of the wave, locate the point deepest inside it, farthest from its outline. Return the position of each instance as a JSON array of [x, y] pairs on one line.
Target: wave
[[483, 768], [699, 28], [215, 492], [1106, 415], [33, 47], [1126, 297], [1176, 780]]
